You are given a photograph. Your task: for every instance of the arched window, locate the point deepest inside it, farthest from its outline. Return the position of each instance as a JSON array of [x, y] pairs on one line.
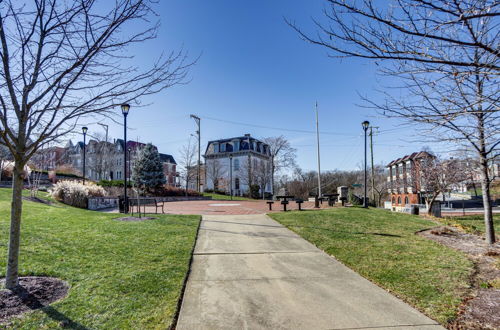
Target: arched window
[[236, 164], [237, 183], [399, 200], [406, 200]]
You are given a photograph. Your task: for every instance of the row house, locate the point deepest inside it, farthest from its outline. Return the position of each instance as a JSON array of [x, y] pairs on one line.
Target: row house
[[49, 158], [251, 164], [404, 179], [105, 160]]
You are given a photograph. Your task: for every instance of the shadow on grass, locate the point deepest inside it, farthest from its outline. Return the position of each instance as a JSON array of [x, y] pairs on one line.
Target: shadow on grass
[[34, 304], [348, 232]]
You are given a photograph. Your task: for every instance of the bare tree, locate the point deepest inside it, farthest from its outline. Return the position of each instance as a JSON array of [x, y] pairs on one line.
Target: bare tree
[[282, 155], [446, 56], [438, 176], [215, 172], [188, 163], [62, 61], [380, 187], [101, 156], [263, 175]]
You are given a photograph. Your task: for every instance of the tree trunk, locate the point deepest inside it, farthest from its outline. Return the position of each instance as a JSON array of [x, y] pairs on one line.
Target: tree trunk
[[431, 203], [488, 214], [12, 275]]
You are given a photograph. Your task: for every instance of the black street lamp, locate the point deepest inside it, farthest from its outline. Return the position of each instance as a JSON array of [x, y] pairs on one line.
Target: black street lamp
[[365, 125], [125, 110], [231, 174], [84, 131]]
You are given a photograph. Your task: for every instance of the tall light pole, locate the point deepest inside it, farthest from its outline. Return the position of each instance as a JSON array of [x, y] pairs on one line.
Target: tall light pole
[[198, 176], [125, 110], [319, 162], [231, 174], [365, 125], [84, 131]]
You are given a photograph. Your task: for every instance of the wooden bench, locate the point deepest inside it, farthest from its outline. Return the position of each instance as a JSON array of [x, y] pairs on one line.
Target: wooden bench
[[144, 202], [270, 203]]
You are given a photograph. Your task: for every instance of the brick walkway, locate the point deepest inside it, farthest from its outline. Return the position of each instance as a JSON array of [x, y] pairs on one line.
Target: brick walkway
[[213, 207]]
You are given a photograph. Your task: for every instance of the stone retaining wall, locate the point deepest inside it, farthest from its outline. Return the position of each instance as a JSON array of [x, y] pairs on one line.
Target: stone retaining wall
[[99, 203]]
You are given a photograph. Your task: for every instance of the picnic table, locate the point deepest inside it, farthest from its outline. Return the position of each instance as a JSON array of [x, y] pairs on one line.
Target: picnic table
[[284, 199], [331, 198]]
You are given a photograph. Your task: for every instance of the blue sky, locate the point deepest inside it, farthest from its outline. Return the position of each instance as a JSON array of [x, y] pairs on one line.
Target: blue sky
[[255, 70]]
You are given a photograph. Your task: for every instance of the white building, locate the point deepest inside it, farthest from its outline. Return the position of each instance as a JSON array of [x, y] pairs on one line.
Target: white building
[[251, 165]]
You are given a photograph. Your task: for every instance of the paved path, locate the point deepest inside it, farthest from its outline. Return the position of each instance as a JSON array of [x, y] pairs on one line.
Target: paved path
[[249, 272]]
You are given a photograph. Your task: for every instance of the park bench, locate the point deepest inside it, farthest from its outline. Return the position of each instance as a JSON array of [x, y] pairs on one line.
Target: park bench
[[299, 203], [270, 203], [145, 202]]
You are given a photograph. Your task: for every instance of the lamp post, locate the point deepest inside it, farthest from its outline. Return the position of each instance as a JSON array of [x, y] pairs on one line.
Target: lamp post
[[125, 110], [365, 125], [84, 131], [129, 171], [231, 174]]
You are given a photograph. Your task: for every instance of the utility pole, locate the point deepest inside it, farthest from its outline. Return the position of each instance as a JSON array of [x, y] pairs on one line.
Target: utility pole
[[198, 175], [319, 162], [106, 128]]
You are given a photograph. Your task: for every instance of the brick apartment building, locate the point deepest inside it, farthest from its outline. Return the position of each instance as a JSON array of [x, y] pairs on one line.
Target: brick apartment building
[[404, 179]]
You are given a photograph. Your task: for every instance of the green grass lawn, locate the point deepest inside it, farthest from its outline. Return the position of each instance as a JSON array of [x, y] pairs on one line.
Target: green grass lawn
[[474, 223], [226, 197], [382, 246], [122, 275]]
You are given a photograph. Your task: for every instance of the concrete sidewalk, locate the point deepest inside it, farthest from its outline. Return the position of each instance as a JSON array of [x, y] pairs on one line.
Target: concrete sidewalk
[[250, 272]]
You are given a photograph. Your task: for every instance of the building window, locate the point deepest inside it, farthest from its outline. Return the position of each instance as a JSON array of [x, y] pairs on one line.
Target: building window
[[406, 200], [236, 164], [393, 200], [399, 200], [237, 184]]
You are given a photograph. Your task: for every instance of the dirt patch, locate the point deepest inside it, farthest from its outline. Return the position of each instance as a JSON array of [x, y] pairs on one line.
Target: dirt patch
[[134, 219], [480, 310], [37, 200], [33, 292]]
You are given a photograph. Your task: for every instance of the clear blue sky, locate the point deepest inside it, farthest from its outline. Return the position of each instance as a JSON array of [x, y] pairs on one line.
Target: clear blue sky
[[254, 69]]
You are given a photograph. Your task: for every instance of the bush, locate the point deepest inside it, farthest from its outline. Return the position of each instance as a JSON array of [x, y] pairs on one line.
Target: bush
[[169, 191], [254, 191], [113, 183], [75, 193]]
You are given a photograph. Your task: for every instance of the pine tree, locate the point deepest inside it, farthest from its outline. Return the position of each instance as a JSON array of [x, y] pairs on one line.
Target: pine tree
[[148, 173]]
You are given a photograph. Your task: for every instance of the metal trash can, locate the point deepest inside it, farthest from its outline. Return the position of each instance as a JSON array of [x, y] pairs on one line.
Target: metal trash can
[[414, 209], [121, 204]]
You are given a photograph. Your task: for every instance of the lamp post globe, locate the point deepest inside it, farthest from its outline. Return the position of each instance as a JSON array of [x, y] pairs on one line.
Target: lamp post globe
[[365, 125], [84, 131]]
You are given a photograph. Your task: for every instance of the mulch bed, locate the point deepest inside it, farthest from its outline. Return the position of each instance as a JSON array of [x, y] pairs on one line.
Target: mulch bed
[[34, 292], [134, 218], [481, 309]]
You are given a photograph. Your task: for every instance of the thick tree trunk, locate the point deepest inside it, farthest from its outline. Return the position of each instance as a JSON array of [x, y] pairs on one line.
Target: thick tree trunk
[[431, 203], [488, 213], [12, 275]]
